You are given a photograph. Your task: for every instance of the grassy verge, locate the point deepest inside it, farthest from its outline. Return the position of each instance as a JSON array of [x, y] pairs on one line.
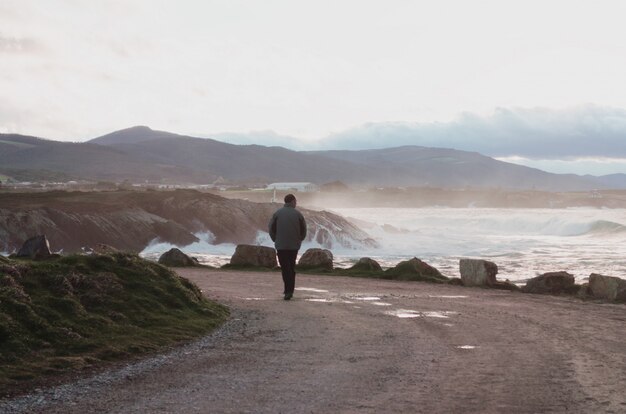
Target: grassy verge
[[80, 312]]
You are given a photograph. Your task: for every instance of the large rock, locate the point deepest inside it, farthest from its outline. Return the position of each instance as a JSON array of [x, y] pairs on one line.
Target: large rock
[[36, 247], [609, 288], [365, 264], [476, 272], [176, 258], [257, 256], [553, 283], [317, 259], [415, 269]]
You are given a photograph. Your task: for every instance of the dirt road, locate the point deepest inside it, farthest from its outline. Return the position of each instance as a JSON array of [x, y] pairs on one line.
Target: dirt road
[[347, 345]]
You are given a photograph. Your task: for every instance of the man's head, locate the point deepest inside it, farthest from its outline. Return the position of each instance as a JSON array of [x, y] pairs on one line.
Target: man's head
[[290, 199]]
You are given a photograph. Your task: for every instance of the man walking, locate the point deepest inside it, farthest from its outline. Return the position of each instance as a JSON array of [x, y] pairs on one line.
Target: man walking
[[287, 230]]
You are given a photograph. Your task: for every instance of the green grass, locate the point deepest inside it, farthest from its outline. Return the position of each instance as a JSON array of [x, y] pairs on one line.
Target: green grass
[[78, 312]]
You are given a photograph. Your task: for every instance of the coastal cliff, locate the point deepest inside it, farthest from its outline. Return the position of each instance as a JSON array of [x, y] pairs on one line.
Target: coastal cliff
[[130, 220]]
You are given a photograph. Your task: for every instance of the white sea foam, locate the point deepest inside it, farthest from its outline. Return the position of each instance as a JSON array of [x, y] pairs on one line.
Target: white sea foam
[[522, 242]]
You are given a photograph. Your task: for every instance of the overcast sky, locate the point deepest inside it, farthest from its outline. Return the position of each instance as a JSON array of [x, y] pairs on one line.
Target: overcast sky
[[451, 73]]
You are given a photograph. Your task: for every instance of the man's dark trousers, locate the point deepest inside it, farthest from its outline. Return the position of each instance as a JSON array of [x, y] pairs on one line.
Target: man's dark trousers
[[287, 260]]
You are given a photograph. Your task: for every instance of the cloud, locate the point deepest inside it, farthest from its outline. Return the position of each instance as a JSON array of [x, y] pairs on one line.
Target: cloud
[[19, 44], [536, 133]]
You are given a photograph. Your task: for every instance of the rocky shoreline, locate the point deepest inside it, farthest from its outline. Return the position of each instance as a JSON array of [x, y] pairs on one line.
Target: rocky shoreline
[[474, 273], [131, 220]]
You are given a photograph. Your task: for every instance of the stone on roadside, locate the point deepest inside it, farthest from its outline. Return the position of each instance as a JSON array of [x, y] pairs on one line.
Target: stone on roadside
[[316, 259], [610, 288], [366, 264], [37, 247], [553, 283], [416, 269], [254, 256], [477, 272], [176, 258]]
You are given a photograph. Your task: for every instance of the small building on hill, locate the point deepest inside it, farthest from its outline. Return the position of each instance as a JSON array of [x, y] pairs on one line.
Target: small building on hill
[[302, 187]]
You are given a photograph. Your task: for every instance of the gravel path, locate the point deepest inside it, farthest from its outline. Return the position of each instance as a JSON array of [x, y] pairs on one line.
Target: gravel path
[[348, 345]]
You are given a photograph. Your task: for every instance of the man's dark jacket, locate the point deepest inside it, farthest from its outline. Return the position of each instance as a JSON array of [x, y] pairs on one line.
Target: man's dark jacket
[[287, 228]]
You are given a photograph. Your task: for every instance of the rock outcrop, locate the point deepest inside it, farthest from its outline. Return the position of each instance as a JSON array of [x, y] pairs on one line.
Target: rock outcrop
[[316, 259], [176, 258], [131, 220], [415, 269], [476, 272], [37, 247], [366, 264], [254, 256], [552, 283], [612, 289]]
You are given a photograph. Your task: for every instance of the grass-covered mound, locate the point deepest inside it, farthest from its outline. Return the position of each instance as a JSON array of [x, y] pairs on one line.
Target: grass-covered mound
[[79, 311]]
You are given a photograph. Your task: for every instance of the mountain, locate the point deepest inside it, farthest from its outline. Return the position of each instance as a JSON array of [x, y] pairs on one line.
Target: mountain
[[140, 153], [19, 154], [615, 181], [443, 167], [235, 162]]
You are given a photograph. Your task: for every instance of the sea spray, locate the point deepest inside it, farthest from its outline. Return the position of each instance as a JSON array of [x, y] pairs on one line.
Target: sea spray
[[523, 242]]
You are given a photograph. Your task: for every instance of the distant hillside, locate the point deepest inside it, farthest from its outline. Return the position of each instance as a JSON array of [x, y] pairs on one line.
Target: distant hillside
[[87, 161], [617, 181], [141, 154], [234, 162], [442, 167]]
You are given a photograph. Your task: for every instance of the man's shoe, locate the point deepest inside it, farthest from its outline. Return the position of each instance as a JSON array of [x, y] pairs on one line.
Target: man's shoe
[[288, 296]]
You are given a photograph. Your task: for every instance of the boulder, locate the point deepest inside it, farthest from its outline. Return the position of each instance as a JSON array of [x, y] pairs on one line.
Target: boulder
[[37, 247], [415, 269], [583, 291], [609, 288], [366, 264], [476, 272], [552, 283], [176, 258], [257, 256], [317, 259]]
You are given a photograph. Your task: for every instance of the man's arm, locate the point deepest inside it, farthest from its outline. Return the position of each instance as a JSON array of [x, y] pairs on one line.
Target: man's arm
[[302, 227], [272, 228]]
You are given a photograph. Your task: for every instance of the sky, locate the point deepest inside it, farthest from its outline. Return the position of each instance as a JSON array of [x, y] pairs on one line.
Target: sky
[[533, 82]]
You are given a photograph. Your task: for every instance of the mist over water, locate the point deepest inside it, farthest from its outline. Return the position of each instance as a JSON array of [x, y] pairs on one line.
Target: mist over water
[[522, 242]]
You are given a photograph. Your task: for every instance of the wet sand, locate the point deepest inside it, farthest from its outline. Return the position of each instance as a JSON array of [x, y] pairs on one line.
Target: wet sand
[[348, 345]]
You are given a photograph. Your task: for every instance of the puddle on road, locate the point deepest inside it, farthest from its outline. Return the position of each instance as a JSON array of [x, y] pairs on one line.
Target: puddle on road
[[254, 298], [408, 313], [381, 303], [319, 300], [448, 296], [466, 347], [307, 289], [367, 298]]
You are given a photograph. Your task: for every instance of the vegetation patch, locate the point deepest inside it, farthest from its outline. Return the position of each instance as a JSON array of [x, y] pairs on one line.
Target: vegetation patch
[[76, 312]]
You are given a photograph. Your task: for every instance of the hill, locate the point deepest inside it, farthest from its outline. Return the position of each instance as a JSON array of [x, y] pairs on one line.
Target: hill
[[87, 161], [141, 154]]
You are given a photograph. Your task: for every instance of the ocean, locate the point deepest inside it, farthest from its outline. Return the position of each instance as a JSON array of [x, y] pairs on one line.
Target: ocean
[[522, 242]]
